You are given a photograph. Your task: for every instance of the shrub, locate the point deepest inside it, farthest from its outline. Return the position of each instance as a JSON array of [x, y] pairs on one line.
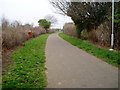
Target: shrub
[[14, 34], [12, 38], [38, 31], [70, 29]]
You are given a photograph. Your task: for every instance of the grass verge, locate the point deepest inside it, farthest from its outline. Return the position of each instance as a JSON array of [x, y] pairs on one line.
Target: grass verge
[[28, 67], [111, 57]]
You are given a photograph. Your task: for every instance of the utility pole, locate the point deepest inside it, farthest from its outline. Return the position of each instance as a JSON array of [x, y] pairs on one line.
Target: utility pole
[[112, 35]]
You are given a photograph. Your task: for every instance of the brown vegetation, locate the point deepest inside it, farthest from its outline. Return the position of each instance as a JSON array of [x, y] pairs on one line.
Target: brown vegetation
[[69, 29], [14, 34]]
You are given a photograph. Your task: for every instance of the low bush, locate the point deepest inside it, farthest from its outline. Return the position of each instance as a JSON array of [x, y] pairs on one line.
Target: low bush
[[38, 31], [70, 29], [12, 38], [14, 34]]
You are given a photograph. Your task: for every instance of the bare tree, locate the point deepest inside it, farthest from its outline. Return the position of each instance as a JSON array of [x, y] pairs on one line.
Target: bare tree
[[4, 23], [51, 19], [85, 14], [15, 24], [61, 6]]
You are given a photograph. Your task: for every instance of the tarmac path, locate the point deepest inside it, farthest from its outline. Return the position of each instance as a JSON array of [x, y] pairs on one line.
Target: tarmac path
[[70, 67]]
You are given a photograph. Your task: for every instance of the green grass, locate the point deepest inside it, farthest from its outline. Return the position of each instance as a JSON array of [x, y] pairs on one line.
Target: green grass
[[110, 57], [0, 82], [28, 67]]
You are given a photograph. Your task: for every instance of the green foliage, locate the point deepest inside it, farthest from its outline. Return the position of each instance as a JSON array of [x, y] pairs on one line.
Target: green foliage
[[44, 23], [110, 57], [117, 25], [79, 29], [88, 15], [117, 15], [28, 67]]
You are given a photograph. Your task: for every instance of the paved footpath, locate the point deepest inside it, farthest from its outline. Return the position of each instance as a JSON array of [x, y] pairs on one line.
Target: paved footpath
[[70, 67]]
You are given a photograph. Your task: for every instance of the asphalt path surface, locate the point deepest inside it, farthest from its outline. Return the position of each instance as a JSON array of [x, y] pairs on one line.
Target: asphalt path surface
[[71, 67]]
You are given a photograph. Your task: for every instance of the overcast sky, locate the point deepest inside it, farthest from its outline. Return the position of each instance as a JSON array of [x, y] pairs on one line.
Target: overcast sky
[[30, 11]]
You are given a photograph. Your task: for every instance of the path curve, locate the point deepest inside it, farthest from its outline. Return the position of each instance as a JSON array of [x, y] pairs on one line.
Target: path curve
[[70, 67]]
